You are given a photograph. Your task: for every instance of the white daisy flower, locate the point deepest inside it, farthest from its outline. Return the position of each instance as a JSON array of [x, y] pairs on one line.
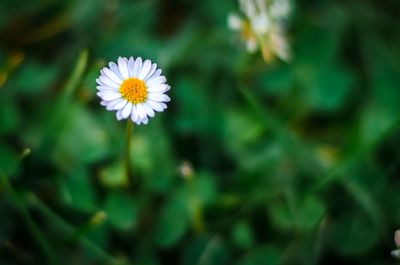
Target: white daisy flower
[[133, 88]]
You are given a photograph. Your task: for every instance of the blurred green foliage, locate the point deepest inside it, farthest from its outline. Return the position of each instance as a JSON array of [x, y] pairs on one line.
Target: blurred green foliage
[[251, 163]]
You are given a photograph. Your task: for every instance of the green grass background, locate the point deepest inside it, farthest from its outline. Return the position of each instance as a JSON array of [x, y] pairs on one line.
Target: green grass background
[[293, 163]]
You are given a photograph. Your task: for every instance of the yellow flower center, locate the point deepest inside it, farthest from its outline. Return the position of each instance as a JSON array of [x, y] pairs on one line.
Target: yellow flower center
[[133, 90]]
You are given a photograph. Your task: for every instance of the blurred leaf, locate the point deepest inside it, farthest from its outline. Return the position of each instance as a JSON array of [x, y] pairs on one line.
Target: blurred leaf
[[206, 250], [277, 80], [8, 159], [82, 139], [141, 152], [77, 191], [262, 255], [304, 217], [172, 222], [202, 188], [383, 75], [242, 236], [375, 122], [35, 78], [309, 213], [362, 189], [234, 123], [325, 88], [354, 234], [9, 115], [326, 26], [193, 106], [114, 175], [121, 210], [281, 216]]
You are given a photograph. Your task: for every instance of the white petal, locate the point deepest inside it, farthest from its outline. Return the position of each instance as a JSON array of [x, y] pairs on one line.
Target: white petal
[[120, 105], [155, 105], [137, 67], [157, 73], [163, 105], [145, 120], [106, 81], [119, 114], [109, 95], [134, 114], [145, 69], [235, 22], [149, 110], [156, 81], [106, 88], [152, 70], [111, 104], [123, 67], [131, 62], [126, 111], [101, 83], [141, 112], [110, 74], [158, 97], [104, 102], [114, 67], [159, 88]]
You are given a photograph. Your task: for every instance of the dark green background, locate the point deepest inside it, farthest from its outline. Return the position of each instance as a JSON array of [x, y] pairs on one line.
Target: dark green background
[[294, 163]]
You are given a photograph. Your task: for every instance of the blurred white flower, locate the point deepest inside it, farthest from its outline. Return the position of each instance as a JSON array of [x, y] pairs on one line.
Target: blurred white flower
[[133, 88], [263, 27], [280, 9], [396, 253]]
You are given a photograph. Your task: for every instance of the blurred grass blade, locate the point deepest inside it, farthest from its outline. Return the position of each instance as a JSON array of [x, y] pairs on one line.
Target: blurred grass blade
[[68, 229], [19, 203], [61, 107]]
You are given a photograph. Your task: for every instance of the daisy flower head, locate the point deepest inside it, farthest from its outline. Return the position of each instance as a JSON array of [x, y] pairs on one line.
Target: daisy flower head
[[133, 88]]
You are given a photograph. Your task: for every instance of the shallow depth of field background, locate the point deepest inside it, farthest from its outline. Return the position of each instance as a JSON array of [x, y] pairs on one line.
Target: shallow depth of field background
[[251, 164]]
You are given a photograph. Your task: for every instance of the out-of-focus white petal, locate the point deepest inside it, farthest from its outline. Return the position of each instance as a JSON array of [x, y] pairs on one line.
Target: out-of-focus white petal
[[251, 45], [235, 22]]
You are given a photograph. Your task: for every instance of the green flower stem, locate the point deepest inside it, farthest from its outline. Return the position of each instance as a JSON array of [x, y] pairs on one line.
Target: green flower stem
[[128, 168]]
